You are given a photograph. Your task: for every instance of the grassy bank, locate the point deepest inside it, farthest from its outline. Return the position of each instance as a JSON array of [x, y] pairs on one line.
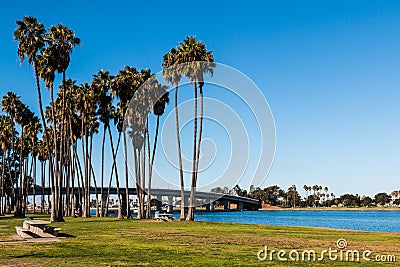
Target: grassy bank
[[109, 241]]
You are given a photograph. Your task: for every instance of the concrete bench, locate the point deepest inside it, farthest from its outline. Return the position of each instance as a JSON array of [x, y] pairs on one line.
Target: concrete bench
[[37, 228], [23, 232]]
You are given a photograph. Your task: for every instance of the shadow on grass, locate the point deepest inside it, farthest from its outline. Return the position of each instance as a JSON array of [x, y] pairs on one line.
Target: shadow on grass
[[31, 216], [26, 255], [9, 217], [65, 235]]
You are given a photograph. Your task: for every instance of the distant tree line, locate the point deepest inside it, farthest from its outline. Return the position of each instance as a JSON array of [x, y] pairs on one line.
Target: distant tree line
[[315, 196]]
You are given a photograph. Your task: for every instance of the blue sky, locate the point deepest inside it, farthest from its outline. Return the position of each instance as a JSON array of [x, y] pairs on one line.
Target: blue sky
[[329, 70]]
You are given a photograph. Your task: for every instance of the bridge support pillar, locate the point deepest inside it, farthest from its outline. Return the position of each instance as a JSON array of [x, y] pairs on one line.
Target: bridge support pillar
[[226, 205], [186, 203], [123, 203], [240, 205], [210, 205], [170, 205], [104, 201], [77, 203], [158, 202]]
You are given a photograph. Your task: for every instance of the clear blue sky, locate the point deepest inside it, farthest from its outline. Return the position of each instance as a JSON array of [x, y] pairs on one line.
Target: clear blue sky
[[330, 71]]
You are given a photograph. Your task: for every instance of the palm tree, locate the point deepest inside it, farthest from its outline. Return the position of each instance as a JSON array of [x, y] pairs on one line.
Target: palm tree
[[6, 133], [125, 86], [102, 84], [326, 193], [172, 74], [86, 106], [158, 110], [30, 35], [12, 105], [192, 51], [61, 41], [32, 129], [305, 187], [315, 188], [122, 88]]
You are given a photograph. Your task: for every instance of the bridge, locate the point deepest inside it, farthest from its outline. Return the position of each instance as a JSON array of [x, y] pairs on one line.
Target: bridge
[[208, 198]]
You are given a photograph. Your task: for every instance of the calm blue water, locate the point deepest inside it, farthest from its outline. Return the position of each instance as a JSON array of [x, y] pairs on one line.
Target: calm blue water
[[378, 221]]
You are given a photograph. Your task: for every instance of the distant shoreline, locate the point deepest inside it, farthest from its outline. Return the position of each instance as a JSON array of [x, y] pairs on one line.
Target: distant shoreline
[[273, 208]]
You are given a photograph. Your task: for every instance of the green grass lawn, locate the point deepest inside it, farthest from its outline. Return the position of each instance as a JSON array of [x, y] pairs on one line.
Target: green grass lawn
[[109, 241]]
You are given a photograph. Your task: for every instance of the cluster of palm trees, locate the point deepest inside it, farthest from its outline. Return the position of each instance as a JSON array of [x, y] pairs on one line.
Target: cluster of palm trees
[[19, 151], [318, 193], [63, 141], [395, 194]]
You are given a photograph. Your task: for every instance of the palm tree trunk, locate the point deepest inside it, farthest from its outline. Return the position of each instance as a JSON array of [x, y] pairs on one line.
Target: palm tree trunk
[[128, 210], [87, 174], [102, 171], [178, 139], [2, 199], [62, 152], [200, 134], [151, 162], [34, 184], [72, 171], [19, 198], [190, 216], [94, 176], [13, 191], [114, 167], [116, 172], [95, 190], [56, 197], [43, 168], [12, 179], [143, 178], [137, 176], [148, 203], [80, 182]]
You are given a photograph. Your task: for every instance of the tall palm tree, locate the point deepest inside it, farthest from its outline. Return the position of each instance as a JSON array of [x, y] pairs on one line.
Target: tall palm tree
[[12, 105], [305, 187], [123, 89], [61, 41], [32, 129], [172, 74], [158, 110], [86, 106], [6, 133], [102, 84], [326, 189], [30, 35], [125, 86], [193, 51]]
